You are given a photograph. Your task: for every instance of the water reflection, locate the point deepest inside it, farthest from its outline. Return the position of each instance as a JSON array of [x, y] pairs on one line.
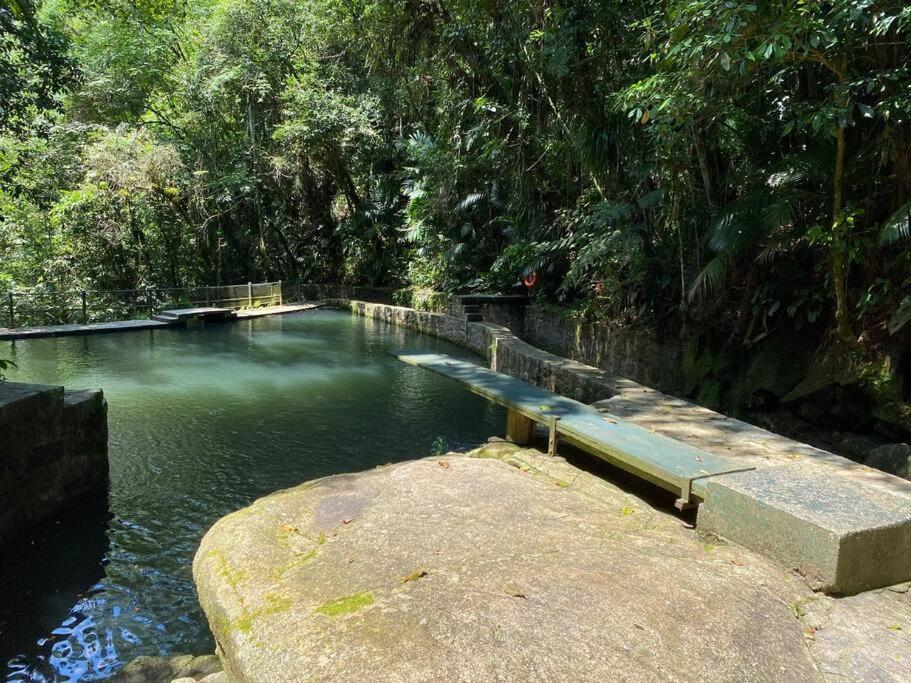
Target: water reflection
[[203, 421], [50, 579]]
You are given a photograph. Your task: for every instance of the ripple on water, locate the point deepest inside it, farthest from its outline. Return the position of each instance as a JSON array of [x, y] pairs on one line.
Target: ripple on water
[[202, 422]]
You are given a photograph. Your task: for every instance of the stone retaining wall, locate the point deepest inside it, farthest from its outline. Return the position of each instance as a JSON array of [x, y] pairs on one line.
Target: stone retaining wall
[[505, 352], [53, 451], [619, 351]]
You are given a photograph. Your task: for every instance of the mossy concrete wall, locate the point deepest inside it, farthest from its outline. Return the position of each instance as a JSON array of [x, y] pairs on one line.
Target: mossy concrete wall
[[505, 352], [621, 351], [53, 451]]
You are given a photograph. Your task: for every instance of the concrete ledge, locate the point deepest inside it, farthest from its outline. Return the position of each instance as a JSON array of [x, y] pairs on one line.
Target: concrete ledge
[[843, 538], [53, 451], [20, 333]]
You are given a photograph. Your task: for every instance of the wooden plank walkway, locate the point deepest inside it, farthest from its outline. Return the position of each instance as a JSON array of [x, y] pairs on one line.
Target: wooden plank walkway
[[664, 461]]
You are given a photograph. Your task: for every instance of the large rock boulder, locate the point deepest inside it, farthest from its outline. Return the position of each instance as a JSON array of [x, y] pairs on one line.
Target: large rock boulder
[[480, 568], [894, 458], [148, 669]]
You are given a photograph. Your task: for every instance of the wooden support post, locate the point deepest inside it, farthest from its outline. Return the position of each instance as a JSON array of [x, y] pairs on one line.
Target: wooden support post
[[85, 309], [553, 437], [281, 296], [249, 295], [519, 429], [12, 310]]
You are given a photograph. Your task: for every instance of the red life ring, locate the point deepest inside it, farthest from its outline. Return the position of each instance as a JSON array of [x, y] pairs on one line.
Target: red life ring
[[530, 279]]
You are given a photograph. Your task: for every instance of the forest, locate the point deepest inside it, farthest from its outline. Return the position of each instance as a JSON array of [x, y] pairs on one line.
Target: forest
[[709, 169]]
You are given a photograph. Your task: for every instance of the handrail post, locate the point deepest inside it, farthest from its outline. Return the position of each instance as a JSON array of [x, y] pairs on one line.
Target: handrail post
[[281, 294], [249, 295], [85, 309], [12, 310]]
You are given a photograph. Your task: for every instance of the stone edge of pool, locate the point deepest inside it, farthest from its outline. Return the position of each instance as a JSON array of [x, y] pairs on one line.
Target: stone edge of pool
[[53, 452], [844, 527]]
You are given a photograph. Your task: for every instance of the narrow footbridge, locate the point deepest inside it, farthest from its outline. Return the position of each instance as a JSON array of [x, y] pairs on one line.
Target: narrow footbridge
[[671, 464], [843, 532]]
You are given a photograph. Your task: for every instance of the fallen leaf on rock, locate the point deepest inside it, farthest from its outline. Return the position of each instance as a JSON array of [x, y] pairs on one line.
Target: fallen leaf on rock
[[444, 464], [414, 576]]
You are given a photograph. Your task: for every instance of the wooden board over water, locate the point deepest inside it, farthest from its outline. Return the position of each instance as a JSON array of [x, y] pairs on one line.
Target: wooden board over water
[[664, 461]]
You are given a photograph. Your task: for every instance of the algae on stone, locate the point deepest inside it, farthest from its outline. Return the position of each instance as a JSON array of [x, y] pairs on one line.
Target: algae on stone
[[346, 605]]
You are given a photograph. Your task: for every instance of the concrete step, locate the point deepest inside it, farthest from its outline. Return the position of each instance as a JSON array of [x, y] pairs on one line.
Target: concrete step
[[200, 312], [843, 536], [165, 317]]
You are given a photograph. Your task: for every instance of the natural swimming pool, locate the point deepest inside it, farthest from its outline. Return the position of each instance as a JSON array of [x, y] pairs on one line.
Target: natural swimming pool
[[202, 422]]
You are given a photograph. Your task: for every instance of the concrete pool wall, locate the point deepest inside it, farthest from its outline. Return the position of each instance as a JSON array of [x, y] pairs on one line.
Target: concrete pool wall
[[53, 451], [843, 526]]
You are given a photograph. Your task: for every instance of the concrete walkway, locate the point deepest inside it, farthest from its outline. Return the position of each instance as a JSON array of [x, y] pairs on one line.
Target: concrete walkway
[[175, 318], [18, 333], [247, 313]]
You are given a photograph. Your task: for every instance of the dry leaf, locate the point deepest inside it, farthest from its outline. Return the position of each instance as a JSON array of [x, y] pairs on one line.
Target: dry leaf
[[415, 575]]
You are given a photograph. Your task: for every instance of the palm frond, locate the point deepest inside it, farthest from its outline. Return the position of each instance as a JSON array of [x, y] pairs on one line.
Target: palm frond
[[469, 202], [897, 226], [710, 277]]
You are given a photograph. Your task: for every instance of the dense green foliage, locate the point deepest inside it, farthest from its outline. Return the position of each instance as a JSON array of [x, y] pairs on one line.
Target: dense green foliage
[[729, 167]]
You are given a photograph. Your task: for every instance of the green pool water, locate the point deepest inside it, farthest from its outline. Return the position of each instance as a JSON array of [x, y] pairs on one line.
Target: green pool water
[[202, 422]]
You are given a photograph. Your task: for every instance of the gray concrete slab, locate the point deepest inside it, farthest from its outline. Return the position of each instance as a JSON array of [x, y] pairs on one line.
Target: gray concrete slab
[[843, 536], [265, 311], [668, 463], [45, 331], [199, 312]]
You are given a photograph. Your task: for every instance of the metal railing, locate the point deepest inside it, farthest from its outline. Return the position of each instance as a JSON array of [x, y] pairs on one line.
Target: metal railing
[[46, 306]]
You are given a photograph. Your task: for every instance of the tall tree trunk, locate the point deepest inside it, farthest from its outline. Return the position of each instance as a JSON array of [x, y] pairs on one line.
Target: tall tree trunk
[[704, 170], [839, 246], [257, 198]]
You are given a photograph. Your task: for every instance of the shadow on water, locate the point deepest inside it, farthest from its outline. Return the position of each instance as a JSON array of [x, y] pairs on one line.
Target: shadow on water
[[48, 576]]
